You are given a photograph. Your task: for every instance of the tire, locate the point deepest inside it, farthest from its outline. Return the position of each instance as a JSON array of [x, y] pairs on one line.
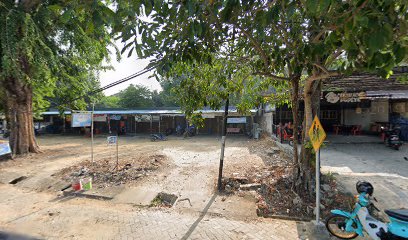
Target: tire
[[341, 220], [396, 147]]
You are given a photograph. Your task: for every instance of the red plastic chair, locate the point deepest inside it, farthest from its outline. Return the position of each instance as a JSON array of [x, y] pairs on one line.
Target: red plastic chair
[[356, 130]]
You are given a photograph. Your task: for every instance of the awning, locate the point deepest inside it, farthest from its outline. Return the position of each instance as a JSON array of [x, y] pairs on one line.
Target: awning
[[152, 112], [388, 94]]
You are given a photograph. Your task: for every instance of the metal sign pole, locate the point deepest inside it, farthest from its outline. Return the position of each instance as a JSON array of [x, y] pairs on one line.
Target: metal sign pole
[[317, 136], [92, 130], [117, 152], [317, 186]]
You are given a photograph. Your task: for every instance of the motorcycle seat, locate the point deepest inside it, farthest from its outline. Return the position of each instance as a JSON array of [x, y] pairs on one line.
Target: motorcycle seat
[[400, 214]]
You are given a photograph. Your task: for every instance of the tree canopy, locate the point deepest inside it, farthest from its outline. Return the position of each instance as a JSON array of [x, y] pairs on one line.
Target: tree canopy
[[50, 50], [280, 40]]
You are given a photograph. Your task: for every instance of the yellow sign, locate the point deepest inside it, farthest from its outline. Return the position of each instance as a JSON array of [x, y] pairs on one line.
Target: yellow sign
[[316, 134]]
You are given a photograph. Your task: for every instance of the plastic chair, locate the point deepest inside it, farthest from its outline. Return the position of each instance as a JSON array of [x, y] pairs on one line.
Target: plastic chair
[[356, 130], [336, 129]]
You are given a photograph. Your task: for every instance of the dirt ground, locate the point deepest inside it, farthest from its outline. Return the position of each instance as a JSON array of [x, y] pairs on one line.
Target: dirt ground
[[186, 168]]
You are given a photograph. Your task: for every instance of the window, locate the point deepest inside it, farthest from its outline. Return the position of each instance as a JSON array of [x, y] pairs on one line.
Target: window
[[328, 114]]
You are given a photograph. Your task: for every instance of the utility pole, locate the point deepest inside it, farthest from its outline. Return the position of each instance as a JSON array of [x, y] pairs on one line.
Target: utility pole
[[92, 134], [224, 134]]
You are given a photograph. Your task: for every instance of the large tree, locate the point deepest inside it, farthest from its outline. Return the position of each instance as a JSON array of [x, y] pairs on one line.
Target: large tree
[[135, 96], [280, 39], [48, 49]]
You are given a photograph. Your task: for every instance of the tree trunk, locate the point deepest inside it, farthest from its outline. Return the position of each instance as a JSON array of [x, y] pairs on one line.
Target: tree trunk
[[304, 171], [20, 114], [295, 113]]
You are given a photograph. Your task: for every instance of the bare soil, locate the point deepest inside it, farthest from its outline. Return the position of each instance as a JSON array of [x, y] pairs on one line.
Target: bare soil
[[105, 172], [187, 168], [275, 197]]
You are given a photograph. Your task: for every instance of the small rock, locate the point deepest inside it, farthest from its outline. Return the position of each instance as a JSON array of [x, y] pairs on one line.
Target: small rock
[[251, 186], [326, 187], [297, 201], [223, 199], [228, 188]]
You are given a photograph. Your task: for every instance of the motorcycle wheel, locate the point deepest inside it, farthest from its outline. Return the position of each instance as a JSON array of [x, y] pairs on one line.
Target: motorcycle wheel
[[336, 225], [396, 147]]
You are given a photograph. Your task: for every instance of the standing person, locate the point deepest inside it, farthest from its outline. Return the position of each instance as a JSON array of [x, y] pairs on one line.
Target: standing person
[[122, 127]]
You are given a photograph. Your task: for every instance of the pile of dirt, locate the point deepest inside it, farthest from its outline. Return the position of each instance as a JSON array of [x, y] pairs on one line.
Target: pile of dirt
[[273, 185], [276, 198], [105, 173], [269, 152]]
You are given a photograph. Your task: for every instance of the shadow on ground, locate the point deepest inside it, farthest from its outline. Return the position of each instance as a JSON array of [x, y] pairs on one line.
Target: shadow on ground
[[202, 215], [14, 236]]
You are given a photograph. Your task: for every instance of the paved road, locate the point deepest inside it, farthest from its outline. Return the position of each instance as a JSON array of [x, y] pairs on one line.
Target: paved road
[[43, 216], [355, 158]]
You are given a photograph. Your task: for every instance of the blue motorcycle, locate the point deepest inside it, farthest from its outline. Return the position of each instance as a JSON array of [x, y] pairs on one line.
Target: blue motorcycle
[[349, 225], [157, 136]]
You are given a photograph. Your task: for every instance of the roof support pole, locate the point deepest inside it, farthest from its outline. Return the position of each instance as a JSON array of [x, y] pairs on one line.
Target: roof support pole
[[151, 123], [159, 123]]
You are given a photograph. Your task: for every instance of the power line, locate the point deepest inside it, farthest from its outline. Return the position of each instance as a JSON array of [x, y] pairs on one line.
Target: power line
[[125, 79]]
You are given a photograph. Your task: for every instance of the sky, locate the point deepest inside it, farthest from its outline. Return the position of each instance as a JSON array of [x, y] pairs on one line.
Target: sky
[[124, 68]]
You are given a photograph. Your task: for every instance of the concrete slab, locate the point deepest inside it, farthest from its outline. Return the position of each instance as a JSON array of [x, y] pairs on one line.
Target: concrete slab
[[359, 139], [311, 231], [385, 168], [109, 192], [139, 195]]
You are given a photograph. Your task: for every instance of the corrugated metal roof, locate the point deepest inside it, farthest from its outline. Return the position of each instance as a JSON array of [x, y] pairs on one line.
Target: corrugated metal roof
[[390, 94], [364, 82], [147, 111]]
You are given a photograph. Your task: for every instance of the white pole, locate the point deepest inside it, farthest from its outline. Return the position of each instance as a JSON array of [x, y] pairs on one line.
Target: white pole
[[92, 130], [117, 153], [317, 186]]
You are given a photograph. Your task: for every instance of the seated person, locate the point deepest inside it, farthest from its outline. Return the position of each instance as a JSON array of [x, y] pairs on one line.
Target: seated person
[[289, 128]]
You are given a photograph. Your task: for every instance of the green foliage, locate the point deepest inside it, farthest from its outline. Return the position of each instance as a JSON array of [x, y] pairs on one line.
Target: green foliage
[[56, 48], [209, 85], [108, 102], [135, 96], [287, 37]]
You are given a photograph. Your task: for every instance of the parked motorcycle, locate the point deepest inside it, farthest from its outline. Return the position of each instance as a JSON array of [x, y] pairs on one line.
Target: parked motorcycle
[[190, 131], [299, 133], [391, 138], [157, 136], [179, 130], [349, 225]]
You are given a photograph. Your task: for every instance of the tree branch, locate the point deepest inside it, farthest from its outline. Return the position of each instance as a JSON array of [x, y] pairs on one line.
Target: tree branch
[[256, 45], [322, 76], [333, 57], [266, 74], [321, 67], [333, 28]]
